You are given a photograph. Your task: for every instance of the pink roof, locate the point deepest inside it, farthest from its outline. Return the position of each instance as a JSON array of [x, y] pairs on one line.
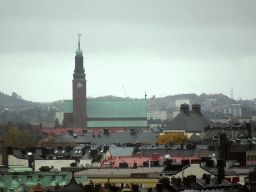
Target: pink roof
[[64, 131], [139, 159]]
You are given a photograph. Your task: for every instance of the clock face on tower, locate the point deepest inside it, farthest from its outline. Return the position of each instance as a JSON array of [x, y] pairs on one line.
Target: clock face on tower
[[79, 85]]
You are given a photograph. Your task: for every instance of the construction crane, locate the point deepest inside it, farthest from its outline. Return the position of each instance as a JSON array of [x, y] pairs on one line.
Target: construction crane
[[125, 93]]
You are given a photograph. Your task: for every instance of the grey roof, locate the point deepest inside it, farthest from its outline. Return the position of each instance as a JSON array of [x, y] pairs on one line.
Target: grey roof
[[121, 151], [213, 183], [194, 137], [214, 170], [210, 133], [110, 138], [18, 154], [151, 171], [162, 152], [191, 122]]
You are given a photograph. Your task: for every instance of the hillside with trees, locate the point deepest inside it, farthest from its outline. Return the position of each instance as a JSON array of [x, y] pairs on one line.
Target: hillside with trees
[[13, 108]]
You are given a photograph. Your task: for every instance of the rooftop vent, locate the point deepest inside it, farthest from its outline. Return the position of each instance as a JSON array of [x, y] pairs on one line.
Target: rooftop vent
[[106, 131], [70, 131], [84, 130], [132, 131]]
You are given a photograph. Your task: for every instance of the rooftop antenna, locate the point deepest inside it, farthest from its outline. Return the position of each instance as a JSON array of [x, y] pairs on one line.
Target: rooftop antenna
[[145, 94], [232, 93], [79, 41]]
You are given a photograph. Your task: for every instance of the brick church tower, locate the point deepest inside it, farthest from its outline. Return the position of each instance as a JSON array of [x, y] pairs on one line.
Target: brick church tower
[[79, 90]]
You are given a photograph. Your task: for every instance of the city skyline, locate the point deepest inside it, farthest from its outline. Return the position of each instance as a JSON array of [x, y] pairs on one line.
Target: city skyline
[[165, 47]]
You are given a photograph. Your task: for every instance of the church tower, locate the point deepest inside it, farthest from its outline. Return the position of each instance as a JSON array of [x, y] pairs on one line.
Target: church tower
[[79, 90]]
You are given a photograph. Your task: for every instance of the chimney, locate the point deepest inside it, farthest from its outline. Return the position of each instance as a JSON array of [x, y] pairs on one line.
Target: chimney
[[107, 185], [193, 177], [187, 181], [207, 128], [106, 131], [84, 130], [221, 174], [93, 153], [223, 147], [174, 180], [184, 108], [5, 154], [207, 178], [178, 181], [210, 163], [105, 148], [249, 129], [196, 108], [135, 187], [252, 174], [185, 162], [89, 187], [70, 131], [132, 131], [165, 182], [221, 163], [159, 187], [97, 187]]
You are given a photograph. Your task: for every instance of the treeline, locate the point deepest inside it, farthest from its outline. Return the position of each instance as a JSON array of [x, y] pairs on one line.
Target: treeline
[[19, 135], [36, 115]]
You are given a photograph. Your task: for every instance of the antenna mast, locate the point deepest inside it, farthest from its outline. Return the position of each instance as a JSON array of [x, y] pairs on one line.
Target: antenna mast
[[79, 41]]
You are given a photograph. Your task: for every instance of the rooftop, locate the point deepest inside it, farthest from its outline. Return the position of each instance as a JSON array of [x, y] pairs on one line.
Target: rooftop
[[110, 108], [192, 122], [150, 171]]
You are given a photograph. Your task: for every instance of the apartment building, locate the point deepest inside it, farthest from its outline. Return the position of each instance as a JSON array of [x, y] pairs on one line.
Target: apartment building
[[156, 114]]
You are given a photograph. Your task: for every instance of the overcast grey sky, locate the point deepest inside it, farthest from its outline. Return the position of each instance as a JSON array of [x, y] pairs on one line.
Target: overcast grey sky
[[165, 46]]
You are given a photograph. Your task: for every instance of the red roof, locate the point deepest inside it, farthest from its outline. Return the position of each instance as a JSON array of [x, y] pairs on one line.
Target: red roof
[[139, 159]]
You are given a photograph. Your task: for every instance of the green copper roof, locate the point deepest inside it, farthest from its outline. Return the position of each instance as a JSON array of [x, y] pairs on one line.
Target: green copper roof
[[20, 169], [116, 124], [109, 108], [79, 52]]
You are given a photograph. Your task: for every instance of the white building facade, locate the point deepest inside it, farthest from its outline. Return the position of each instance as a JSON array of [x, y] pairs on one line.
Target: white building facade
[[235, 110], [156, 114], [60, 117]]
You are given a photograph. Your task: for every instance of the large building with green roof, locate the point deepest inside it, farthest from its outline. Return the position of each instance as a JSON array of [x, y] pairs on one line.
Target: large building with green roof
[[101, 113], [112, 113]]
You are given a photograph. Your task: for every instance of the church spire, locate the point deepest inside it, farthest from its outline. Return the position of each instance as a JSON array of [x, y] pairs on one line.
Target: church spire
[[79, 66], [79, 51]]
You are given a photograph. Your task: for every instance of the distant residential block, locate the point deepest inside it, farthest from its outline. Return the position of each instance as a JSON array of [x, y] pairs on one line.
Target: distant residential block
[[156, 114], [59, 116], [235, 110], [180, 102]]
